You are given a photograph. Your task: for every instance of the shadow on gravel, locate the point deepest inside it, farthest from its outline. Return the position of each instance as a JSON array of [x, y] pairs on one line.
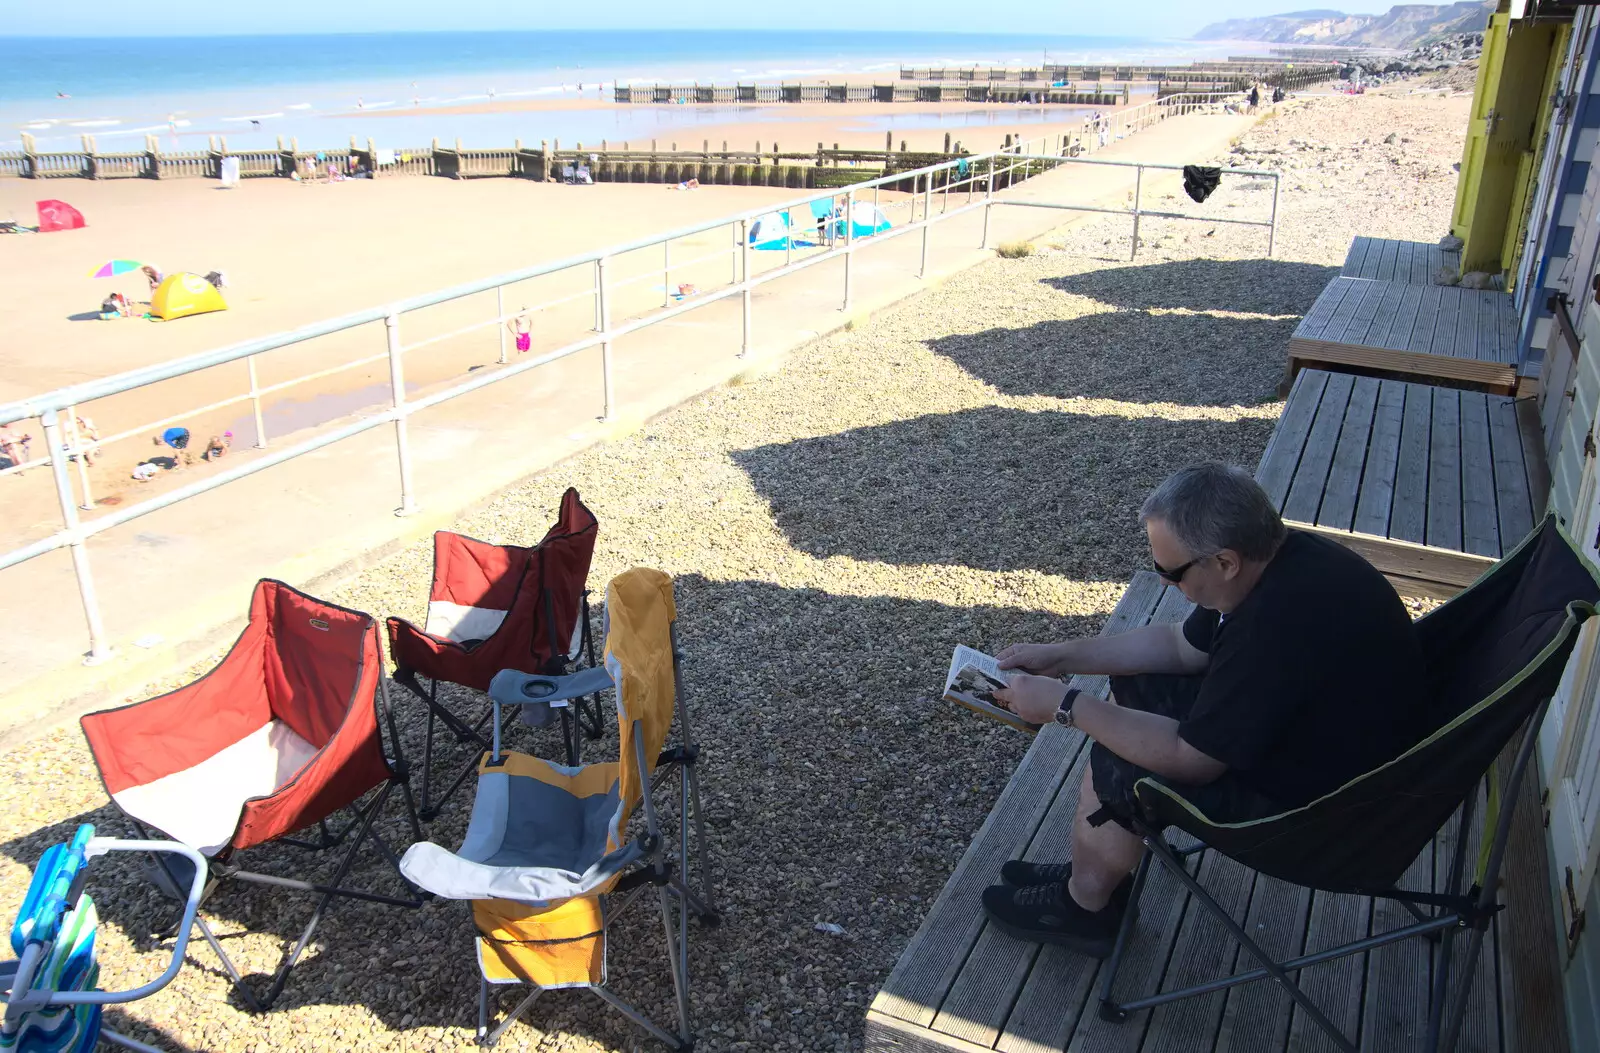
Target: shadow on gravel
[[837, 787], [992, 488], [1247, 286], [1130, 356]]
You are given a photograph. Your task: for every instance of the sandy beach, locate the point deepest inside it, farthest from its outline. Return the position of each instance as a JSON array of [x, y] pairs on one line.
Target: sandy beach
[[296, 254]]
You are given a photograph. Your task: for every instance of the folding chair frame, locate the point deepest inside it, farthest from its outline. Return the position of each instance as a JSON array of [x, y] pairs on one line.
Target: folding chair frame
[[360, 826], [659, 868], [1459, 908], [582, 720]]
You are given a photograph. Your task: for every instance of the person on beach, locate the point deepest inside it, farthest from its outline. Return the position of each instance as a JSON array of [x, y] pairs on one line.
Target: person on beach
[[521, 326], [177, 438], [217, 446], [153, 275], [13, 445], [89, 439], [1297, 671]]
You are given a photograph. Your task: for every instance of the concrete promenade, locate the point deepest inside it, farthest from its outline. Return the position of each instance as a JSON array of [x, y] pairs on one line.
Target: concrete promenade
[[173, 585]]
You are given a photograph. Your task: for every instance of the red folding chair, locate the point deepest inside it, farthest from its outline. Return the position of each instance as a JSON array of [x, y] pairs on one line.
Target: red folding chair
[[280, 736], [495, 607]]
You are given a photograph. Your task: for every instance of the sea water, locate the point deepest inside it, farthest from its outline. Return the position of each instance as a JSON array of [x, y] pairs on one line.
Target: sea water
[[325, 88]]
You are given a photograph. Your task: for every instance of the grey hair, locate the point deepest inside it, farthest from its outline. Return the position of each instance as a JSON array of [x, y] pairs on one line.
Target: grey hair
[[1213, 506]]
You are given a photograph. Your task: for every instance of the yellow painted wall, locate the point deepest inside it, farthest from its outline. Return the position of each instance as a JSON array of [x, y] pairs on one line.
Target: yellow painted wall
[[1507, 109]]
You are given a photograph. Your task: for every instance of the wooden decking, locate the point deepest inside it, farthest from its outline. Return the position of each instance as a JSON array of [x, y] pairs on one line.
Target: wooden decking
[[1411, 262], [1426, 332], [961, 985], [1430, 484]]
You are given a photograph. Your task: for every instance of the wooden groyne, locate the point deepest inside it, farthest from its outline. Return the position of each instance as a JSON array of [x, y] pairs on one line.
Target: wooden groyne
[[675, 94], [1223, 76], [765, 165]]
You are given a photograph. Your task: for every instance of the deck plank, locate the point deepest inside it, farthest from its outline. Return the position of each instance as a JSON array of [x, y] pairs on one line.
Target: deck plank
[[1282, 456], [1395, 1010], [1316, 319], [1338, 508], [1335, 987], [1257, 1016], [1398, 334], [1480, 533], [1311, 477], [1204, 951], [1408, 516], [1376, 503], [1389, 304], [1512, 502], [1444, 471]]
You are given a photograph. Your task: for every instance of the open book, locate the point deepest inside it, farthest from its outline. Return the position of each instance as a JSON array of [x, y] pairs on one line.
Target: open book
[[971, 682]]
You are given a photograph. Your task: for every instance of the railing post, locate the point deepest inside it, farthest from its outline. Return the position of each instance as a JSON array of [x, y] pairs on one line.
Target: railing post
[[99, 649], [599, 271], [402, 444], [849, 242], [500, 316], [1272, 229], [605, 345], [255, 403], [666, 273], [988, 204], [76, 441], [733, 231], [744, 267], [1138, 185], [927, 223]]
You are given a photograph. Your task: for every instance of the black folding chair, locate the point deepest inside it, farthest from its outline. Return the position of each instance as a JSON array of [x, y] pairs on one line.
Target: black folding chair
[[1495, 654]]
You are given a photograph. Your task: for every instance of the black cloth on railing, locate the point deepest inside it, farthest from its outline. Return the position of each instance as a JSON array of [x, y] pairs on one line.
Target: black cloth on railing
[[1199, 181]]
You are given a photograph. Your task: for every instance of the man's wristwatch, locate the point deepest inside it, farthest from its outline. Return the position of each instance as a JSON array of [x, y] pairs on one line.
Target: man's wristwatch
[[1064, 712]]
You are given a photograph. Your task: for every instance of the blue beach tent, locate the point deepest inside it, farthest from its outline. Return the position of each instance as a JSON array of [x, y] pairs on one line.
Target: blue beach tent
[[866, 219]]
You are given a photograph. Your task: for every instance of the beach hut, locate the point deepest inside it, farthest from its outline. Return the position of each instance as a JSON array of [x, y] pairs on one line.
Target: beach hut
[[57, 215], [180, 295], [866, 219]]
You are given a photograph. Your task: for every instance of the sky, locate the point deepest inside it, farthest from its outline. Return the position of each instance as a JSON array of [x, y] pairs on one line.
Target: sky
[[1143, 18]]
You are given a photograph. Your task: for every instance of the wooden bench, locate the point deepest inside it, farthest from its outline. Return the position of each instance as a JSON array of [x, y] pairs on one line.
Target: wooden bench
[[1411, 262], [1427, 332], [963, 986], [1430, 484]]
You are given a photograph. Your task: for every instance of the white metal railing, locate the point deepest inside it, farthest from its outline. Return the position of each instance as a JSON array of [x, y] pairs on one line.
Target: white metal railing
[[974, 176]]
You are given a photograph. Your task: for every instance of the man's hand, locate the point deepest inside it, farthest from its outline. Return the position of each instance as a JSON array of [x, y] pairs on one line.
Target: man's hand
[[1033, 698], [1041, 658]]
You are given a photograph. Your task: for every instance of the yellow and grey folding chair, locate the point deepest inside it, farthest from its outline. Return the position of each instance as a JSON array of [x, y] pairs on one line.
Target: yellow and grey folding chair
[[547, 861]]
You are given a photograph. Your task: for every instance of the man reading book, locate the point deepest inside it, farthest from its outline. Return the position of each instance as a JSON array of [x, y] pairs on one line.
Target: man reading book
[[1297, 671]]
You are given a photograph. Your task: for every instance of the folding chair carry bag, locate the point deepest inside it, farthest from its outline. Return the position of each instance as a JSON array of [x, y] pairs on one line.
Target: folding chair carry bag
[[494, 607], [547, 862], [281, 735], [1495, 654]]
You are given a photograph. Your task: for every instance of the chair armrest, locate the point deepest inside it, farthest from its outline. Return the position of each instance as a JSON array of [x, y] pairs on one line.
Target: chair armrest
[[512, 688]]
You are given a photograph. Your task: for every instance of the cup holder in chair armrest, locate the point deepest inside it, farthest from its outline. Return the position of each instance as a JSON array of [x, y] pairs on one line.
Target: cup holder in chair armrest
[[512, 688]]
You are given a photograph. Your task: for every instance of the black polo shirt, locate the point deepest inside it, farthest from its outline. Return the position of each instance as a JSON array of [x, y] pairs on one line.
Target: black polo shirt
[[1315, 678]]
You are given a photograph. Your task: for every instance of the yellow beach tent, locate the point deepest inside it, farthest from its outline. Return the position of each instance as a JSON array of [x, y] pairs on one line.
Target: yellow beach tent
[[180, 295]]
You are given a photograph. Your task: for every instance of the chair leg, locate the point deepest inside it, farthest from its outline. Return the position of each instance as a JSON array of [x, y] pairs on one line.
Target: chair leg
[[1109, 1010], [678, 960], [1441, 985], [702, 852], [1157, 845], [671, 1041], [487, 1037]]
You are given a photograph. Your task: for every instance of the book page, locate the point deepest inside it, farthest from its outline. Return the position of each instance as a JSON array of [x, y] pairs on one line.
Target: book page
[[968, 683]]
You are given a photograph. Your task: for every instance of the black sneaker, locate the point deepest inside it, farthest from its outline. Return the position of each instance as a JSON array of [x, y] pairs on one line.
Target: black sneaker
[[1021, 873], [1048, 914]]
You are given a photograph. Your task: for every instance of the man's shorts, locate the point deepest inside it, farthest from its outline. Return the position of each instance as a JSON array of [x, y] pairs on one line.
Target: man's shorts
[[1225, 799]]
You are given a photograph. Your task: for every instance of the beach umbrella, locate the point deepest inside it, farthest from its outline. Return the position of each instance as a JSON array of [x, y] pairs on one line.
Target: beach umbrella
[[115, 267]]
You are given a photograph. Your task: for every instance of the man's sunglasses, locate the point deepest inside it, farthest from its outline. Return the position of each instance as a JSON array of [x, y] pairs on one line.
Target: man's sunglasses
[[1175, 575]]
